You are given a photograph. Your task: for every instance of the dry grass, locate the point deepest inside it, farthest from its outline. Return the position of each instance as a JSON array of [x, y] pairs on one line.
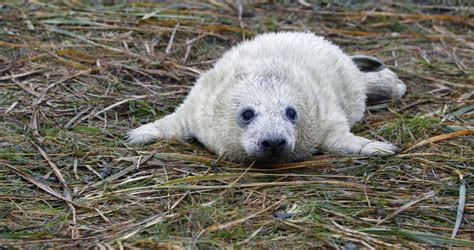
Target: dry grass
[[74, 77]]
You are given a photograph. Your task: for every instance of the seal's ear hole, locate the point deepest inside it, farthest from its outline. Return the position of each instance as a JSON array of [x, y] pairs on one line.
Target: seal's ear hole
[[367, 63]]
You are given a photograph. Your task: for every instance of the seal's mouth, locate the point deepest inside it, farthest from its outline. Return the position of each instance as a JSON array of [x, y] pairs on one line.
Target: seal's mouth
[[271, 157], [280, 151]]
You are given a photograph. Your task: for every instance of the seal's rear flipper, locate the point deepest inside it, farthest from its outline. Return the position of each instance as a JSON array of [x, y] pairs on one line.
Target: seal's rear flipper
[[367, 63], [382, 83]]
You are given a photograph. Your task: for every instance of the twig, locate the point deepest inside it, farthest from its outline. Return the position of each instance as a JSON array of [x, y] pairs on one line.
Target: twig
[[8, 77], [440, 138], [170, 43], [461, 204], [233, 223], [113, 106], [409, 204]]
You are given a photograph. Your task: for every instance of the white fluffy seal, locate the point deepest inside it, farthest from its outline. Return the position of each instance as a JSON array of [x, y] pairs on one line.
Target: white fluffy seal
[[279, 97]]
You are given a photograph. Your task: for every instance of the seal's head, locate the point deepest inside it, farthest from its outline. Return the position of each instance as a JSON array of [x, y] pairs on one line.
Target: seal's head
[[267, 113], [262, 113]]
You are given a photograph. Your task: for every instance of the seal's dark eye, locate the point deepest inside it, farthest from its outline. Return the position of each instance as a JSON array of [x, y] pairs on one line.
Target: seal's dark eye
[[291, 114], [247, 115]]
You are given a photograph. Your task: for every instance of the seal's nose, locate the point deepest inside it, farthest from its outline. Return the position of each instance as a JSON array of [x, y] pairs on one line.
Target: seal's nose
[[275, 145]]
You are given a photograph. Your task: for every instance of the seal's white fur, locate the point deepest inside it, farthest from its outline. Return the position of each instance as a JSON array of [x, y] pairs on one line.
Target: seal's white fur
[[269, 73]]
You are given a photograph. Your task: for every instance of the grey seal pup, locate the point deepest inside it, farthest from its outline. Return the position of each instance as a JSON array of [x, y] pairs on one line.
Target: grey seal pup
[[280, 97]]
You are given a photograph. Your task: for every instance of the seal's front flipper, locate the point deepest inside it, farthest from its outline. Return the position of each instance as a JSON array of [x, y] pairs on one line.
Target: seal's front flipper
[[167, 127], [348, 143]]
